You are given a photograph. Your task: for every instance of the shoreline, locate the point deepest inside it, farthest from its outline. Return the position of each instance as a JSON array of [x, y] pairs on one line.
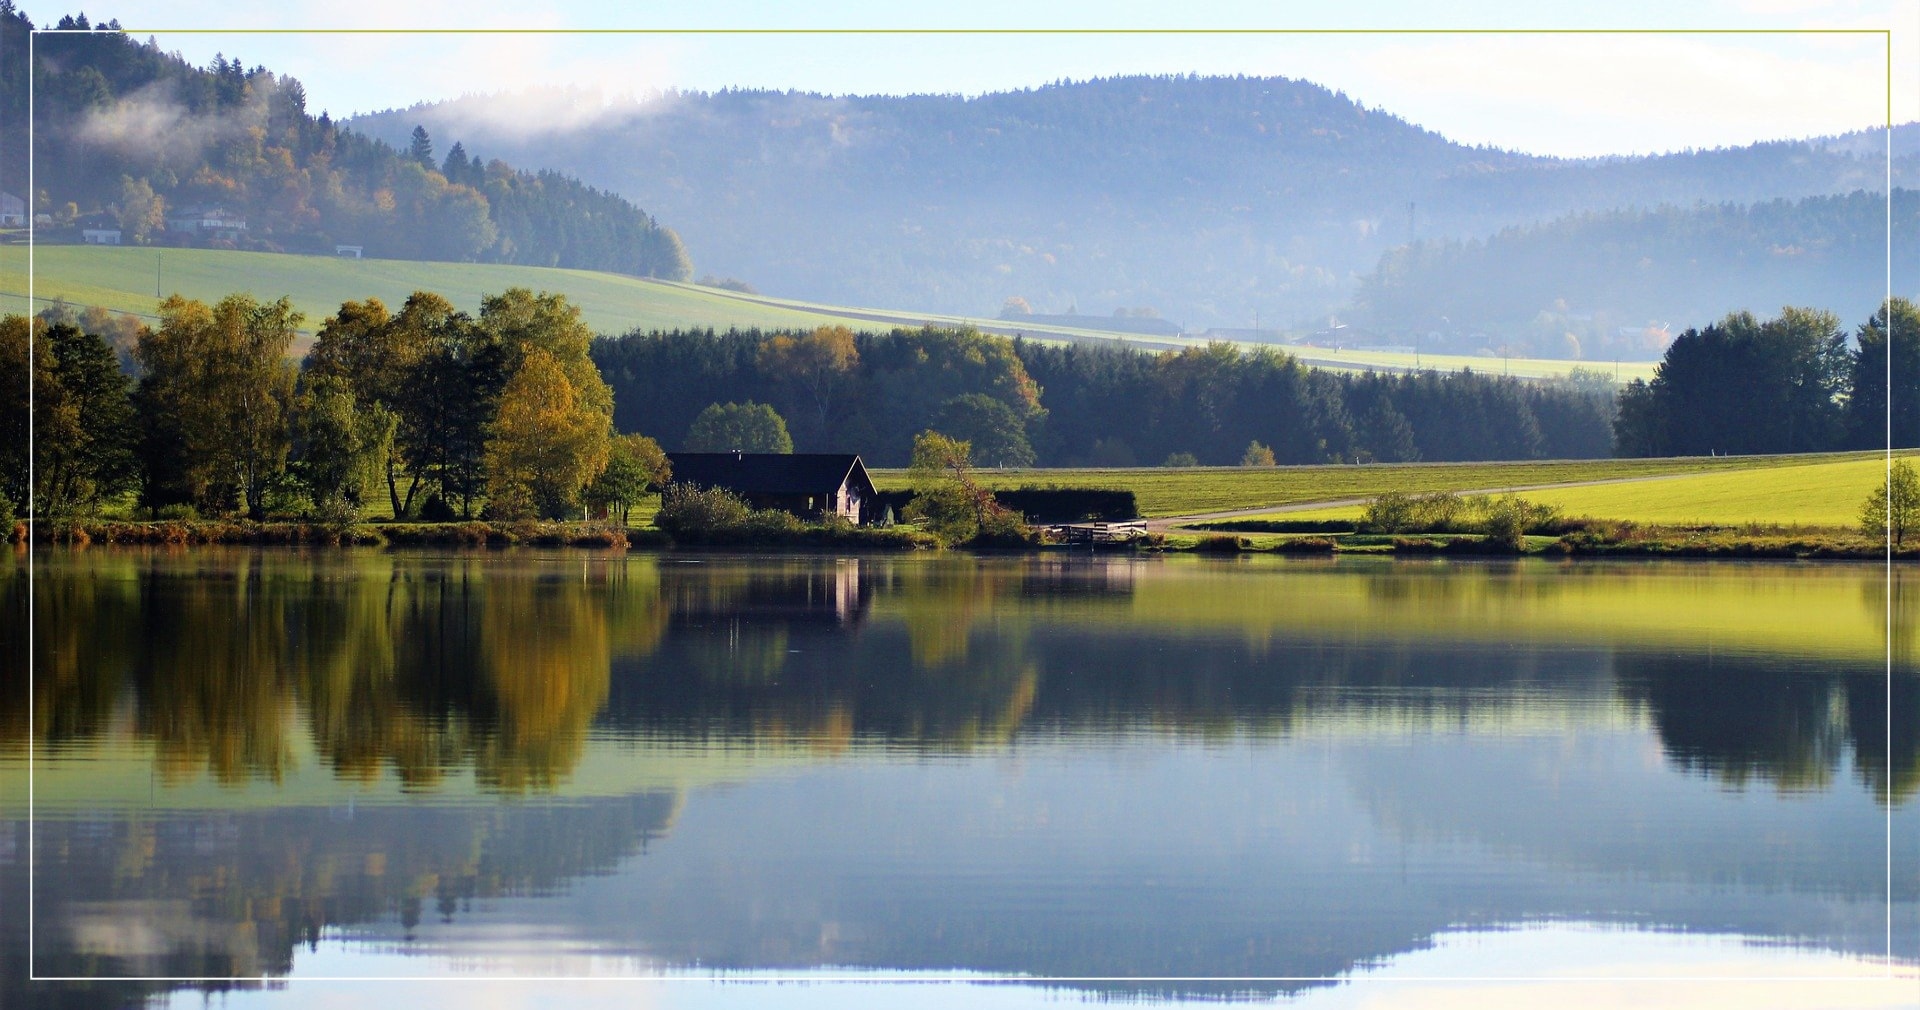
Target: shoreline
[[1324, 542]]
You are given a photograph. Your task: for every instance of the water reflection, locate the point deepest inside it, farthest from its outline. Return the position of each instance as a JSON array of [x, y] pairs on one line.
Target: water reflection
[[1051, 766]]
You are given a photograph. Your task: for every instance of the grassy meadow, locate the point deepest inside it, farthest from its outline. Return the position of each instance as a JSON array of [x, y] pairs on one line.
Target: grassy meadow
[[1795, 491], [1187, 491], [122, 278]]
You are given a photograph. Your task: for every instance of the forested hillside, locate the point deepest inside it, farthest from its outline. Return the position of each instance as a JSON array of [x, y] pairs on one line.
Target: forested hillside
[[1617, 284], [132, 138], [1209, 200]]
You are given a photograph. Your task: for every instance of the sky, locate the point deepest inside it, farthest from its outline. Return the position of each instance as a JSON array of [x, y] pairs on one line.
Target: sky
[[1569, 95]]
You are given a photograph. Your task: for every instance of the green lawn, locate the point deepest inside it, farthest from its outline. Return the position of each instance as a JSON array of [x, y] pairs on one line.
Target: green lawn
[[1186, 491], [1793, 492], [123, 278]]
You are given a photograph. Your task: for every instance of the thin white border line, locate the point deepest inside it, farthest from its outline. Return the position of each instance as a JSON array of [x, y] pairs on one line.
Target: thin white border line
[[1887, 308], [32, 655], [32, 624], [880, 978]]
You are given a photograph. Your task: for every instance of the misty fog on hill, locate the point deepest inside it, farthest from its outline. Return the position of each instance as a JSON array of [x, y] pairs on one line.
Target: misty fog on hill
[[1232, 203]]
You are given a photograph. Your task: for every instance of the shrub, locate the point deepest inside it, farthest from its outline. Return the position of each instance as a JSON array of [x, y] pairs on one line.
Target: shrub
[[715, 515], [1438, 512], [1389, 513], [1181, 459], [1222, 545], [1305, 545], [690, 509], [1509, 519]]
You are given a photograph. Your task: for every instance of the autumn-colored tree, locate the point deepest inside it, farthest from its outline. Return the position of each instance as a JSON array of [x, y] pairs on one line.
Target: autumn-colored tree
[[141, 212], [819, 365], [1257, 455], [546, 443]]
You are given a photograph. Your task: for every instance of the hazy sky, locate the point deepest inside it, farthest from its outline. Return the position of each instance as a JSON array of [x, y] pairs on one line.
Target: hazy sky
[[1568, 95]]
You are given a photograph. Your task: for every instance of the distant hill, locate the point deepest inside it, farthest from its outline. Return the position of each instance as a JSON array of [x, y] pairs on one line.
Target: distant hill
[[1208, 199], [131, 139], [1617, 283]]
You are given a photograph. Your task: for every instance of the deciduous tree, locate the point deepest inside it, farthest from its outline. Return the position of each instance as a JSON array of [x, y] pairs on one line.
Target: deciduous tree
[[1893, 509], [747, 427], [545, 444]]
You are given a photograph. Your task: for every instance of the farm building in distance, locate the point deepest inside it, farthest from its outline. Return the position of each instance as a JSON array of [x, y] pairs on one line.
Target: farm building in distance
[[207, 222], [811, 485]]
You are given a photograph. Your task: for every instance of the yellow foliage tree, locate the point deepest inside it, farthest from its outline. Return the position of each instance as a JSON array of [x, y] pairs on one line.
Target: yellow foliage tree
[[545, 445]]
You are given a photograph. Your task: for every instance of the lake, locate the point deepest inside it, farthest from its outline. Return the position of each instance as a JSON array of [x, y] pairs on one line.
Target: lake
[[574, 778]]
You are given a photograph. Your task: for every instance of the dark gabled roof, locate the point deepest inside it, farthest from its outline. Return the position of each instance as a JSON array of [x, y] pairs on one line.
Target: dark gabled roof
[[771, 473]]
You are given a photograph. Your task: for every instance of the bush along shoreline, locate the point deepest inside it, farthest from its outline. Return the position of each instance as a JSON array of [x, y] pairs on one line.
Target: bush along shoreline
[[197, 532], [1584, 540]]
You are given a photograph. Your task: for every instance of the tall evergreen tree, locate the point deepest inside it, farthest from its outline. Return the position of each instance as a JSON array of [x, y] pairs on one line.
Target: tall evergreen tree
[[421, 148], [1895, 331]]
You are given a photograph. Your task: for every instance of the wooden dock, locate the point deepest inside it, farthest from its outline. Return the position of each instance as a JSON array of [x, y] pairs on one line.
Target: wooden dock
[[1099, 534]]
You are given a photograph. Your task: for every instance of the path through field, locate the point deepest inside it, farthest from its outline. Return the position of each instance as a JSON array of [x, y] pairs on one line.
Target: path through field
[[1164, 523]]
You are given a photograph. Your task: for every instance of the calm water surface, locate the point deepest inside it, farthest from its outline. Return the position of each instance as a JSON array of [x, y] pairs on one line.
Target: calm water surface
[[1335, 784]]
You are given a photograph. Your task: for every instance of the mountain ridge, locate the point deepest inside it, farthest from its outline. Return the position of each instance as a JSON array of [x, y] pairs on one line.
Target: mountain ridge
[[1210, 199]]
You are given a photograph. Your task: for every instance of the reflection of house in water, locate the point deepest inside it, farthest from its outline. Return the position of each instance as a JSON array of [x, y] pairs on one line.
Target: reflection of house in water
[[827, 596]]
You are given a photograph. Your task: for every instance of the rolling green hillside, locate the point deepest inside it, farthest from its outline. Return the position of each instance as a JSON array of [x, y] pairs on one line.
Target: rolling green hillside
[[123, 279]]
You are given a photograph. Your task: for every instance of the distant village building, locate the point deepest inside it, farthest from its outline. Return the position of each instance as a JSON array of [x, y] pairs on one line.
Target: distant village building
[[99, 228], [13, 211], [349, 251], [207, 222], [811, 485]]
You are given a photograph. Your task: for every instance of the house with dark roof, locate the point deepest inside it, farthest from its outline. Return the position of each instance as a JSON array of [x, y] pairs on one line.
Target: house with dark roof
[[811, 485]]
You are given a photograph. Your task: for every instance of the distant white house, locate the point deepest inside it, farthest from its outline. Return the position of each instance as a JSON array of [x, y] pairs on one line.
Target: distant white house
[[13, 211], [100, 236], [351, 251], [210, 222]]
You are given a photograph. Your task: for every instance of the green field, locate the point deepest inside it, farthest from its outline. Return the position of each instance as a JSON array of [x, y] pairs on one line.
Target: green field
[[1807, 494], [1187, 491], [122, 278]]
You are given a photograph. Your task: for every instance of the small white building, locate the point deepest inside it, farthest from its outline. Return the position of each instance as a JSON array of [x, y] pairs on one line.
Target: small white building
[[349, 251], [13, 211], [213, 222], [100, 236]]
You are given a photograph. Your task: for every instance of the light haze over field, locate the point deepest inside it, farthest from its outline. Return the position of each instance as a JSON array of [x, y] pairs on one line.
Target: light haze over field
[[1578, 95]]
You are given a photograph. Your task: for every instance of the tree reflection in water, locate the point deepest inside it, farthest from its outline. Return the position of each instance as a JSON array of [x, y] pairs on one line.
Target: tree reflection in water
[[509, 667]]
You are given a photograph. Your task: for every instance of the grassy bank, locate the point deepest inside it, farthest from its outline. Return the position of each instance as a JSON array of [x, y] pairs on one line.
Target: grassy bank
[[460, 534], [1165, 491]]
